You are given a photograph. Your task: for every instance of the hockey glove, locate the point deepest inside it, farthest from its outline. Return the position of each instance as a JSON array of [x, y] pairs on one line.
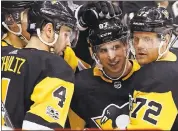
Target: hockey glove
[[88, 14]]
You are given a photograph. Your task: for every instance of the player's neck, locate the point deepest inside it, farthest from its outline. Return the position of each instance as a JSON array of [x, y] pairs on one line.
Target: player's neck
[[14, 40], [37, 44], [125, 73], [128, 68]]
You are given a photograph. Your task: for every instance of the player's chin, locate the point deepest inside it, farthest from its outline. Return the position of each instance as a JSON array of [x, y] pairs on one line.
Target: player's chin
[[60, 52], [116, 69], [142, 61]]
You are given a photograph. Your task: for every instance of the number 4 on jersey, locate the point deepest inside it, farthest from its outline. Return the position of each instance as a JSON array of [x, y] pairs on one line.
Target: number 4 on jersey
[[60, 93]]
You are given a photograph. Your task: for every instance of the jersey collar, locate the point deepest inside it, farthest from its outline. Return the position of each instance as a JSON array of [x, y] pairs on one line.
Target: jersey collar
[[98, 72], [169, 57]]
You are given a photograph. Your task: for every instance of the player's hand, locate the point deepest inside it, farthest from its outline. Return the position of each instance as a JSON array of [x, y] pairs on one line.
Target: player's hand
[[89, 13]]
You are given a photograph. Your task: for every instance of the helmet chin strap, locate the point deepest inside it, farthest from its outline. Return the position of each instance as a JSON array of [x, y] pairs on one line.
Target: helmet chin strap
[[132, 49], [15, 33], [159, 49], [114, 79], [97, 61], [49, 44], [19, 34], [101, 68]]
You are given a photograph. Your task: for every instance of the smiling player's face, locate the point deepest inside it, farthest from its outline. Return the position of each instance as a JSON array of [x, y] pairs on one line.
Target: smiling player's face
[[112, 56]]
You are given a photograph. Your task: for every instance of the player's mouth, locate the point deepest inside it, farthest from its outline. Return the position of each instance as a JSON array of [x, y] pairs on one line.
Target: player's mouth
[[113, 64], [141, 55]]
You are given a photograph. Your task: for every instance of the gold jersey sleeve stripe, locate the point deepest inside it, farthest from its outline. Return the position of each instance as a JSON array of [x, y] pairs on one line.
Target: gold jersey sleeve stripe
[[47, 105]]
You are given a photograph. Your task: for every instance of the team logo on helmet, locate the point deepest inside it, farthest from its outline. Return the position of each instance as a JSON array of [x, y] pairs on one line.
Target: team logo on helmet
[[106, 34], [54, 1], [166, 14]]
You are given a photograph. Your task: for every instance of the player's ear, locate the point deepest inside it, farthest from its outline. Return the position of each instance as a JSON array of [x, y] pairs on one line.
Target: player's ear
[[167, 38], [49, 31]]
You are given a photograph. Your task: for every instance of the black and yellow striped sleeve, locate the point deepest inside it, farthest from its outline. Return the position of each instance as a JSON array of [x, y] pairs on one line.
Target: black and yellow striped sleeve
[[51, 97], [75, 63]]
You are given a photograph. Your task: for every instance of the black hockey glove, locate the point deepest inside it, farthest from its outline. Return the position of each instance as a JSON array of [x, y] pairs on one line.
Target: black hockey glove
[[88, 14]]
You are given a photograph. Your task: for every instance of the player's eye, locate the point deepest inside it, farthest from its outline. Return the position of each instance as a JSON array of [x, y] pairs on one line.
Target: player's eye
[[136, 39], [115, 47], [66, 34], [103, 50], [147, 39]]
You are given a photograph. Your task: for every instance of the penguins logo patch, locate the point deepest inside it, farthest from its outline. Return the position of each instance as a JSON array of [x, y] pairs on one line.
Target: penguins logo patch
[[113, 117]]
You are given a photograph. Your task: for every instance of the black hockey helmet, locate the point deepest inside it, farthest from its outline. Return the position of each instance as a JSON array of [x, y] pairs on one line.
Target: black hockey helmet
[[152, 19], [16, 4], [3, 29], [108, 30], [58, 13], [15, 8]]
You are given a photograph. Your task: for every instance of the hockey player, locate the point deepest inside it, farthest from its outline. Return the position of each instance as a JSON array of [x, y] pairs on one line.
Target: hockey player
[[37, 86], [14, 23], [101, 93], [86, 15], [155, 100]]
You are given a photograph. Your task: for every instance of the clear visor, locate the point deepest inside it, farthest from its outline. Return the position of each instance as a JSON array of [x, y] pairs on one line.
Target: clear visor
[[15, 19], [16, 14], [115, 51], [147, 42], [74, 37], [110, 48]]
